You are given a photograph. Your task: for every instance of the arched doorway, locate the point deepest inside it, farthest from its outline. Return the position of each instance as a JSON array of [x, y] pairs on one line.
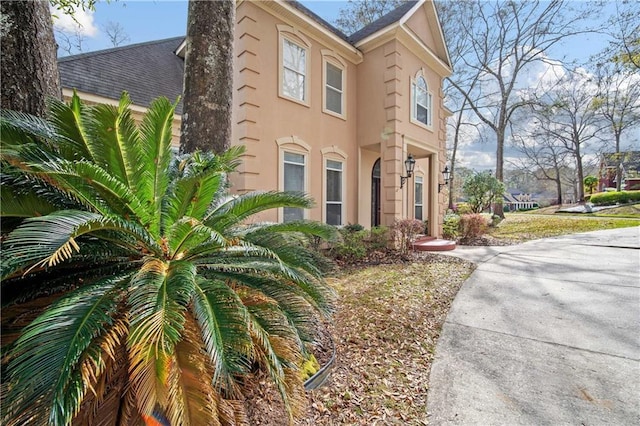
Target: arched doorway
[[375, 194]]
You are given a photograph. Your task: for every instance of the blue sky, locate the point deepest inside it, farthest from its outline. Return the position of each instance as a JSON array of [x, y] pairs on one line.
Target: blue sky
[[145, 20]]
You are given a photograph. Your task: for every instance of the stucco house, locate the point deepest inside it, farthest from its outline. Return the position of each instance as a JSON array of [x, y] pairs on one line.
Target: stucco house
[[333, 115]]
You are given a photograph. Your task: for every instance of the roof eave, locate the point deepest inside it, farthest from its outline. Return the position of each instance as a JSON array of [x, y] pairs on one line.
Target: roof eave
[[296, 17]]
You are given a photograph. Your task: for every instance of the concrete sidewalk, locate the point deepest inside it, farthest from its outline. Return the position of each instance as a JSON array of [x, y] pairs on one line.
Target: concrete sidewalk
[[543, 333]]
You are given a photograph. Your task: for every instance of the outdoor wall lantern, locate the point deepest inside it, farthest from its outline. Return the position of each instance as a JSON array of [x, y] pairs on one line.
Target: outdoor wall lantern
[[446, 174], [409, 165]]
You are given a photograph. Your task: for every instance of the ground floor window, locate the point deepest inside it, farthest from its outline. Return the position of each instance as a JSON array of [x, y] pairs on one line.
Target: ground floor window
[[333, 196], [294, 180], [418, 199]]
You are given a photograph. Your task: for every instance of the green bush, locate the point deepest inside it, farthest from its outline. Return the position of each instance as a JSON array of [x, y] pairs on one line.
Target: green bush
[[463, 208], [611, 198], [378, 238], [352, 247], [451, 226], [353, 227], [472, 226]]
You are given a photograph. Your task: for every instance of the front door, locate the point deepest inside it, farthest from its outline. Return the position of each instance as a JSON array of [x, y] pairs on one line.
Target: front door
[[375, 194]]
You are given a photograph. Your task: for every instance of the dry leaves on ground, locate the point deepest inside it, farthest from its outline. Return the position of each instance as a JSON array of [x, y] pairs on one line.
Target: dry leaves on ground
[[385, 330]]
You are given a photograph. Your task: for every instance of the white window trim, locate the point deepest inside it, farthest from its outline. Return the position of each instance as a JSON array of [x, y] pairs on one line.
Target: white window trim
[[415, 203], [294, 145], [286, 32], [329, 56], [412, 89], [334, 153]]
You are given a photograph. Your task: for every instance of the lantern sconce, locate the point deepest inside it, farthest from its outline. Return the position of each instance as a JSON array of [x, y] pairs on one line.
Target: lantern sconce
[[446, 174], [409, 165]]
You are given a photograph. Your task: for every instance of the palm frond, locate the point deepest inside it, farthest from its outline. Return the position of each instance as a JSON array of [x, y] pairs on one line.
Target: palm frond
[[18, 128], [291, 300], [191, 395], [95, 186], [45, 364], [160, 292], [73, 122], [278, 355], [23, 203], [152, 179], [222, 319], [116, 128], [188, 233], [237, 209], [198, 179], [50, 240]]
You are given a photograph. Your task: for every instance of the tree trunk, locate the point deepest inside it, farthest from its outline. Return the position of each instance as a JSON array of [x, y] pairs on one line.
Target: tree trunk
[[498, 207], [618, 164], [454, 151], [208, 76], [29, 66], [559, 187]]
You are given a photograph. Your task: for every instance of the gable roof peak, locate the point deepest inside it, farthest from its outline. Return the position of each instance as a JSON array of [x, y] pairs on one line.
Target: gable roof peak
[[384, 21]]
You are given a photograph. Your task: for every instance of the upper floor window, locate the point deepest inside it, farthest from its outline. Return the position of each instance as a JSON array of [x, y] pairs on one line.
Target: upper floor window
[[294, 53], [334, 83], [422, 101], [294, 70], [334, 89]]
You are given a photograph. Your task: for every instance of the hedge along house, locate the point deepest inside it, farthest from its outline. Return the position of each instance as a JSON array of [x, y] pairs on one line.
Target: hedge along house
[[332, 115]]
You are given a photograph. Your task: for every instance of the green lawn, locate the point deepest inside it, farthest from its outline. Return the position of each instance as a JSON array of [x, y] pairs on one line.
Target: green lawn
[[523, 227]]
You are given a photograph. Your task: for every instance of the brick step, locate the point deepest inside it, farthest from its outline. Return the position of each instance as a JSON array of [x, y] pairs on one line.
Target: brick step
[[434, 244]]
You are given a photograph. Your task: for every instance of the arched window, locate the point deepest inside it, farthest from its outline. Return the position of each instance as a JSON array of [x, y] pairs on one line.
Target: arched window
[[422, 101]]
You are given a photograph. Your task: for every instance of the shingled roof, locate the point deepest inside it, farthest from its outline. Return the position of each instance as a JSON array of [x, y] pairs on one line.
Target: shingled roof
[[394, 16], [152, 69], [145, 70]]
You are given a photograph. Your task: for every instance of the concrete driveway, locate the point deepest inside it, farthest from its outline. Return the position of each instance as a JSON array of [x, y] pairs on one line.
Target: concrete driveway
[[543, 333]]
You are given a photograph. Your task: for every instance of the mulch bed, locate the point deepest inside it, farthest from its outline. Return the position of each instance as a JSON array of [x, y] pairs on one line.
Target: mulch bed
[[391, 308]]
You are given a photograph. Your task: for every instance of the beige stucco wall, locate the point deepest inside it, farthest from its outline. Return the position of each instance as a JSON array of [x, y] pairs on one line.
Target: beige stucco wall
[[267, 123], [376, 123]]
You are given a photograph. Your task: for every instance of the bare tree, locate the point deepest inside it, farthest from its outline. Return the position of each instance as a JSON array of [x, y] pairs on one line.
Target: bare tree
[[543, 153], [506, 39], [624, 28], [70, 43], [116, 33], [618, 104], [208, 76], [565, 115], [357, 14]]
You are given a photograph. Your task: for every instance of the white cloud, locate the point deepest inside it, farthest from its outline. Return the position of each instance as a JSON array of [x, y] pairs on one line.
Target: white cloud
[[83, 23]]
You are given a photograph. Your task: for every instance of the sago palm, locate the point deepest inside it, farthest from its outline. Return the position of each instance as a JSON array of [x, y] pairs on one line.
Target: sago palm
[[162, 291]]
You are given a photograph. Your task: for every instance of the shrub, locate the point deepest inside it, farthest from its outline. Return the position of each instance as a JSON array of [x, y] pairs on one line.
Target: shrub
[[405, 231], [353, 227], [450, 227], [352, 247], [481, 190], [463, 208], [611, 198], [495, 220], [472, 226], [378, 238]]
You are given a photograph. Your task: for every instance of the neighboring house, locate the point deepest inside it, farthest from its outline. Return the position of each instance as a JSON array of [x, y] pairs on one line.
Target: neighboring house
[[514, 201], [629, 162], [333, 115]]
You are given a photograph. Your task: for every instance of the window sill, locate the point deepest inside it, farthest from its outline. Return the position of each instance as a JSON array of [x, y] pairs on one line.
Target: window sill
[[421, 124], [334, 114], [294, 100]]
